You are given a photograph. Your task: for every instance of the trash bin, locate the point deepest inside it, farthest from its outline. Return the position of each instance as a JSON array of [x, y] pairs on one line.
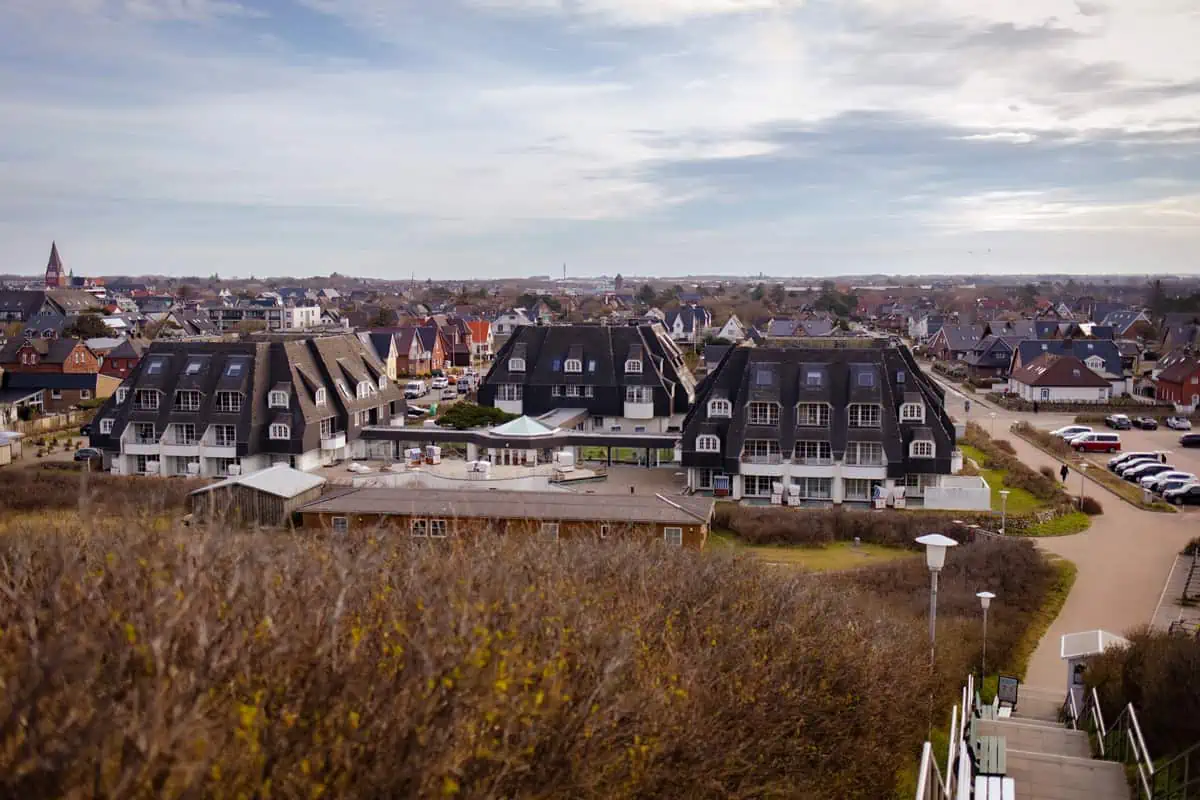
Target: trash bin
[[1147, 496]]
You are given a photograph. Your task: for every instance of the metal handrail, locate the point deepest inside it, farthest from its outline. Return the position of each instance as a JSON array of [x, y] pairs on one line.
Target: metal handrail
[[929, 769], [1180, 768]]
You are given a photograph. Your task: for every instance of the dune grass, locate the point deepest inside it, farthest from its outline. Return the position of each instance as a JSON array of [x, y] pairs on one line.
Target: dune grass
[[1020, 501], [830, 558]]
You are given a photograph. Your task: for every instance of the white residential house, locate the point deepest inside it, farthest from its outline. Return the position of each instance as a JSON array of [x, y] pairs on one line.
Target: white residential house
[[509, 321], [733, 330]]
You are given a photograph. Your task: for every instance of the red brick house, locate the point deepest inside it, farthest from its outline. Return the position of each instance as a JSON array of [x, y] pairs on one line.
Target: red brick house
[[1180, 382], [65, 370], [121, 360]]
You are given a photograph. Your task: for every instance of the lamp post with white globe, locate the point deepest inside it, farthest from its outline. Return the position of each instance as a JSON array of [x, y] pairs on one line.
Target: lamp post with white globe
[[936, 546], [985, 600]]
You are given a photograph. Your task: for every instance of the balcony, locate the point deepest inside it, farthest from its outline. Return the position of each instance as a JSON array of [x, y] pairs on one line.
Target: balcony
[[141, 446], [824, 461], [639, 410], [181, 447], [769, 458], [335, 441]]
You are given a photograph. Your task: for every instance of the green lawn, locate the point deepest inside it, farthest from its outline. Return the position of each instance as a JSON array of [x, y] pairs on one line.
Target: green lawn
[[1066, 525], [1020, 501], [837, 556]]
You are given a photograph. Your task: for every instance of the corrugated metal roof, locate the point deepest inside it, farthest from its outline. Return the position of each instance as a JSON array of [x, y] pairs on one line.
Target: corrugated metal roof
[[279, 480], [515, 505]]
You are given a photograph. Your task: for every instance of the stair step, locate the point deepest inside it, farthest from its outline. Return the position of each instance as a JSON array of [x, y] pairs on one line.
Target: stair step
[[1021, 736], [1040, 776]]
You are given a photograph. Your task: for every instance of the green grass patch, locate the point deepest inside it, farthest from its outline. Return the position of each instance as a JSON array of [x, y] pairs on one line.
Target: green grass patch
[[834, 557], [1066, 525], [1056, 598], [1020, 501]]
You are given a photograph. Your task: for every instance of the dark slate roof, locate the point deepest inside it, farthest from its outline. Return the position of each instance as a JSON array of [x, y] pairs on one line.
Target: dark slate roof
[[962, 337], [50, 351], [993, 352], [715, 352], [1121, 321], [868, 371], [50, 380], [130, 348], [604, 349], [26, 304], [1079, 348], [302, 365], [689, 315], [71, 301], [1180, 370]]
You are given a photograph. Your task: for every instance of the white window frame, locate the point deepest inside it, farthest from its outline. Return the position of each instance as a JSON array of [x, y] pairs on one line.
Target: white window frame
[[810, 375], [558, 390], [340, 524], [343, 388], [708, 443], [673, 536], [277, 399], [320, 397], [516, 365], [224, 441], [383, 382], [589, 391], [720, 407], [925, 444], [280, 432], [633, 366], [106, 426], [573, 365], [864, 415], [858, 460], [141, 396], [639, 394], [138, 438], [188, 393], [510, 392], [548, 532], [605, 530], [823, 450], [438, 528], [85, 394], [177, 430], [418, 527], [912, 412], [804, 417], [772, 413], [233, 407], [363, 390]]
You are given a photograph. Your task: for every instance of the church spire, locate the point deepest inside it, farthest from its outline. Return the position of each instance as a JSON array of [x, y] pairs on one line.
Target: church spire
[[54, 269]]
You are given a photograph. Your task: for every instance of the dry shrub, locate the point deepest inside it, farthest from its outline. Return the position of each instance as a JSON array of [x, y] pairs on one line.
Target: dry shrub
[[1004, 446], [1160, 674], [1043, 439], [216, 663], [1090, 506], [1000, 455], [1012, 568], [766, 525], [1047, 472], [57, 489]]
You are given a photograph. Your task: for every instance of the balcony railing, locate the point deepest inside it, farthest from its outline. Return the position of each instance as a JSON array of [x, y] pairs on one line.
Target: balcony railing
[[865, 461], [813, 461], [139, 439], [767, 458]]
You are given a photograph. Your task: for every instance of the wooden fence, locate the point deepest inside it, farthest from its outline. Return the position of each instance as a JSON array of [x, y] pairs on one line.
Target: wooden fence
[[51, 423]]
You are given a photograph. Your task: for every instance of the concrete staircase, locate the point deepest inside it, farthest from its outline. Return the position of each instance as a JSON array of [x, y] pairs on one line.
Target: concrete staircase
[[1048, 761]]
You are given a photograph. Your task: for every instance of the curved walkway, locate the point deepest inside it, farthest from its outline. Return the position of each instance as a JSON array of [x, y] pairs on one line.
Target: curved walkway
[[1124, 559]]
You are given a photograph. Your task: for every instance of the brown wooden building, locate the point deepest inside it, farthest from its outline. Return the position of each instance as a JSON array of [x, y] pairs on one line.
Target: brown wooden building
[[267, 498], [436, 513]]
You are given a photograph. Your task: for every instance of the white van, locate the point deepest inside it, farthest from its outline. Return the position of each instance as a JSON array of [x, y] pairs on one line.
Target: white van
[[415, 389]]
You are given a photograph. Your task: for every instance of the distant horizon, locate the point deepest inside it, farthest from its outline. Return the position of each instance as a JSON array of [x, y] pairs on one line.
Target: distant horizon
[[488, 138]]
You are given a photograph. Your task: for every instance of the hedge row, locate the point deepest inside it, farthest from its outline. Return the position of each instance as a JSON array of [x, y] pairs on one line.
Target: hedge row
[[1117, 405], [1000, 455], [1095, 417]]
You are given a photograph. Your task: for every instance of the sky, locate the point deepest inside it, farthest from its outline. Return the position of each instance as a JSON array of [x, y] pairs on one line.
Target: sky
[[490, 138]]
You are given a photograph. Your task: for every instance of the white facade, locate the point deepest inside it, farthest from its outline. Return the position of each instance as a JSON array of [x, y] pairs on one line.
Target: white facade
[[1060, 394], [302, 317], [506, 323], [732, 331]]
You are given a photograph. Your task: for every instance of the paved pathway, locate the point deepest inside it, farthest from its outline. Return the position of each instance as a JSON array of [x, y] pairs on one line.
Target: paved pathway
[[1124, 559]]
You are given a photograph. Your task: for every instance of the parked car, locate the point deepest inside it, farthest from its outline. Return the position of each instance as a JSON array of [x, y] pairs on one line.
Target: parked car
[[1154, 482], [415, 389], [1136, 474], [1129, 466], [1145, 423], [440, 382], [1179, 423], [1162, 487], [1071, 431], [1120, 422], [88, 454], [416, 411], [1190, 440], [1096, 442], [1117, 462], [463, 387], [449, 393], [1184, 495]]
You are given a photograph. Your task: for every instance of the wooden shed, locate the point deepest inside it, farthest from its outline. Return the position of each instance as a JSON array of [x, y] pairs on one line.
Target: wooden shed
[[264, 498]]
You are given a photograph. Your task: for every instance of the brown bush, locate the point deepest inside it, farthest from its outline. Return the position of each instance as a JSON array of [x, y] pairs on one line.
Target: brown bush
[[1160, 674], [1090, 506], [220, 663], [1192, 547], [1043, 439], [1047, 472], [1004, 446], [1000, 455], [54, 488], [764, 525]]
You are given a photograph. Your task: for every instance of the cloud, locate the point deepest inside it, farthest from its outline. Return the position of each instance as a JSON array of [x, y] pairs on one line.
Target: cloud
[[551, 126]]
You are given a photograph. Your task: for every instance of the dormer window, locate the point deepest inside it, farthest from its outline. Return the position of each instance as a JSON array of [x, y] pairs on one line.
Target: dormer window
[[516, 365], [921, 448], [122, 394], [813, 378], [145, 400], [106, 426], [319, 397], [573, 365], [280, 431], [719, 407], [345, 390], [383, 382], [364, 389], [633, 366], [707, 443], [1095, 362], [912, 412], [762, 413], [277, 399]]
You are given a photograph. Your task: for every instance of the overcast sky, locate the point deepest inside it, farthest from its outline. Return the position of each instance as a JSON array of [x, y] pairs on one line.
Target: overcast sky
[[484, 138]]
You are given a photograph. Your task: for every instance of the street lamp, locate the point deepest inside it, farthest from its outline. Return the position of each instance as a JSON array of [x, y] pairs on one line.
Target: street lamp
[[1082, 481], [985, 600], [993, 416], [1003, 512], [936, 546]]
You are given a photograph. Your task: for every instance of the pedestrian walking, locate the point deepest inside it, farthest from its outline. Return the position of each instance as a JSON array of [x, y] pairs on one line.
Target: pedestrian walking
[[1035, 406], [1064, 472]]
